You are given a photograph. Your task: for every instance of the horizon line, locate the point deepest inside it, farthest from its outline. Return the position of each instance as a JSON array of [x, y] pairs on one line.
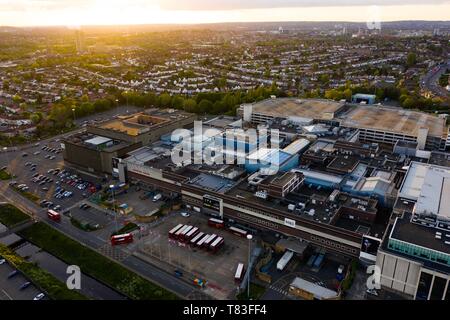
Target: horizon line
[[214, 23]]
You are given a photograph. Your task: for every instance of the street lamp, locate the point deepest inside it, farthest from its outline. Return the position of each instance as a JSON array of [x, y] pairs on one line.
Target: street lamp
[[114, 205], [74, 118], [249, 237], [5, 149]]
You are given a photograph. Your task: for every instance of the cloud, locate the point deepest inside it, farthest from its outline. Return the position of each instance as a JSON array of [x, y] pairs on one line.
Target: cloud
[[265, 4], [24, 5], [201, 5]]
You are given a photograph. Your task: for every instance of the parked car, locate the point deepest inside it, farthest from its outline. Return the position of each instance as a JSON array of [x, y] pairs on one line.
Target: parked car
[[12, 274], [185, 214], [40, 296], [43, 203], [25, 285]]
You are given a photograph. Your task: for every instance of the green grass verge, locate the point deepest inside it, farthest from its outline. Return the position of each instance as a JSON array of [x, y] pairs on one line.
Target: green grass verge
[[10, 215], [256, 291], [30, 196], [4, 175], [54, 288], [94, 264]]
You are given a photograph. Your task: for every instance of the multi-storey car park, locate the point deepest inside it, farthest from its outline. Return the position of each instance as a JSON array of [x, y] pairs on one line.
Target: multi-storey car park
[[374, 123]]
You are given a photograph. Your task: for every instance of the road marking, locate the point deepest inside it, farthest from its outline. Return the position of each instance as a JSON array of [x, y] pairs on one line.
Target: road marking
[[6, 294]]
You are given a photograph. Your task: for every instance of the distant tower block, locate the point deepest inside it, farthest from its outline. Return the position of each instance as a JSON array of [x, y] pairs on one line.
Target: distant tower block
[[422, 138], [79, 41]]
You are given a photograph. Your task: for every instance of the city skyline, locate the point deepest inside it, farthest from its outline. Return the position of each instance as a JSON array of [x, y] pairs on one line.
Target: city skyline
[[116, 12]]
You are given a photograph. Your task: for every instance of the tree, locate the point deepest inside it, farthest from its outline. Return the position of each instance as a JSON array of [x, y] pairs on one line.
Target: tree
[[204, 106], [35, 118], [411, 60], [408, 103], [348, 94], [190, 105], [177, 102], [165, 100]]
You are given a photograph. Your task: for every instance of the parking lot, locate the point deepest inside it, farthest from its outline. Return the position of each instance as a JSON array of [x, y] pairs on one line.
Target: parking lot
[[217, 269], [324, 276], [35, 169], [10, 288], [140, 200]]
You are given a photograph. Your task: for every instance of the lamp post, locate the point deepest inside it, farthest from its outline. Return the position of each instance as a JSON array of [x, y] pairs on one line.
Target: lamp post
[[74, 118], [249, 237], [114, 206], [5, 149]]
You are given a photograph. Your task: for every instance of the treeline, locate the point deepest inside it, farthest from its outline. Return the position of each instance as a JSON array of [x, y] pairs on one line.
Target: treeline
[[201, 103], [406, 98], [62, 114]]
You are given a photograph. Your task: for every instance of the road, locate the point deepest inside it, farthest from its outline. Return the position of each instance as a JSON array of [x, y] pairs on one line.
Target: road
[[142, 268], [89, 287], [430, 83], [9, 288]]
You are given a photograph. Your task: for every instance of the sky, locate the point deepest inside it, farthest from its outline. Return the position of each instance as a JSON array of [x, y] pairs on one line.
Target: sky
[[116, 12]]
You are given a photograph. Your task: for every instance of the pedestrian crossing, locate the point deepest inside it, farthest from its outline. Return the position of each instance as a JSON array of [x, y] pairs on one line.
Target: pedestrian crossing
[[279, 290], [115, 253]]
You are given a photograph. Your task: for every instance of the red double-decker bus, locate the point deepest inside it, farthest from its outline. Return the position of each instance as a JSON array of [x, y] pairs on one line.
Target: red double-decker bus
[[121, 239], [216, 223], [216, 245], [177, 235], [175, 229], [196, 238], [202, 240], [53, 215], [238, 232], [191, 234], [183, 234], [208, 241]]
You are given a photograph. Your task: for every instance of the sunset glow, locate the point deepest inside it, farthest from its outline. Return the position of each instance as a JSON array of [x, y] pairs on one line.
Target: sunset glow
[[113, 12]]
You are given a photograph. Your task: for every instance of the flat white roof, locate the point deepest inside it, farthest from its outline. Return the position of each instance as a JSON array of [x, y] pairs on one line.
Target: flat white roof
[[260, 153], [97, 140], [296, 146], [318, 291], [429, 185], [320, 176]]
